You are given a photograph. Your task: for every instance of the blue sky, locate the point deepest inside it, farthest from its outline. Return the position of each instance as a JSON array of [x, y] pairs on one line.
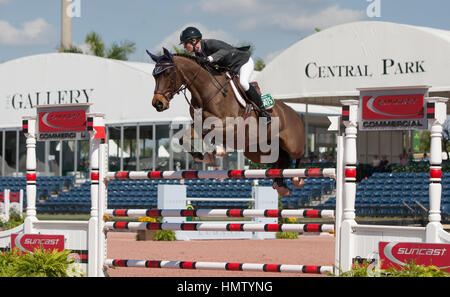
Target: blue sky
[[29, 27]]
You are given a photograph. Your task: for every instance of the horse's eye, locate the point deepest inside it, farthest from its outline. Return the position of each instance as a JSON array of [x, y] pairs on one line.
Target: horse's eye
[[166, 73]]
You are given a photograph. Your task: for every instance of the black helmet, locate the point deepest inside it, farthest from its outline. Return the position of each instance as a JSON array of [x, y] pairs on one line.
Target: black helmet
[[190, 33]]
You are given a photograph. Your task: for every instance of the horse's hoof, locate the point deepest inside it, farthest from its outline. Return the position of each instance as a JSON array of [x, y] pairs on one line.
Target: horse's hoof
[[220, 151], [298, 182], [283, 191], [209, 158]]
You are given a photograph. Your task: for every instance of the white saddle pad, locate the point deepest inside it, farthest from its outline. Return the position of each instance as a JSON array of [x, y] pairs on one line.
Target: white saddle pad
[[236, 92]]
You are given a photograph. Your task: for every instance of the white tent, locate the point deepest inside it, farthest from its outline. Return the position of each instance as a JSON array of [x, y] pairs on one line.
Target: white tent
[[121, 90], [331, 64]]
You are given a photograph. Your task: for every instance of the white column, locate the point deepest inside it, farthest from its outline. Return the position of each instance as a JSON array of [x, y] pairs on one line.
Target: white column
[[94, 245], [30, 135], [350, 120], [436, 114], [350, 158]]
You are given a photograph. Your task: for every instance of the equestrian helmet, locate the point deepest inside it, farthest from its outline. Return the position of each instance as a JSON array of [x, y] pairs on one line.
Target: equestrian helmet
[[190, 33]]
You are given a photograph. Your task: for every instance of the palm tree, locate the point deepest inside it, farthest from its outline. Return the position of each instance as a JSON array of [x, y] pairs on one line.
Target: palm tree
[[117, 51]]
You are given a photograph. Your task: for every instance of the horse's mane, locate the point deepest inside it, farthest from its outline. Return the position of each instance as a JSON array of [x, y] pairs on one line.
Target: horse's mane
[[191, 57], [211, 70]]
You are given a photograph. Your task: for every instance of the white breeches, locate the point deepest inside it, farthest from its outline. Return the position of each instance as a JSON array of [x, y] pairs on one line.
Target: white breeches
[[245, 74]]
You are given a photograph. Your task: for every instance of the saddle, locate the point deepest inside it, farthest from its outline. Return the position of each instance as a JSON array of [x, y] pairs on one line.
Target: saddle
[[243, 95], [239, 92]]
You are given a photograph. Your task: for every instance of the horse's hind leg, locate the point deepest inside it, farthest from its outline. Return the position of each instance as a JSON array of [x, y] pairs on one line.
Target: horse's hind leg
[[279, 183]]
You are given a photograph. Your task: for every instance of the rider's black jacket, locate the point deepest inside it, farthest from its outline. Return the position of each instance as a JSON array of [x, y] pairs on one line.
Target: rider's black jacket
[[224, 54]]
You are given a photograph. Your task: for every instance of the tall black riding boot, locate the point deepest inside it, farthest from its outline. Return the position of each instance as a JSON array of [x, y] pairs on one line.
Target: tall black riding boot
[[253, 95]]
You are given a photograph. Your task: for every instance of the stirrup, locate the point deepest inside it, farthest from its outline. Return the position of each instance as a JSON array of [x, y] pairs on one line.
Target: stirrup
[[263, 113]]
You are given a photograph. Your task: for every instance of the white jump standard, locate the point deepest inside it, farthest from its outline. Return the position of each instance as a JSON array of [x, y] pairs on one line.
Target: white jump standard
[[352, 240]]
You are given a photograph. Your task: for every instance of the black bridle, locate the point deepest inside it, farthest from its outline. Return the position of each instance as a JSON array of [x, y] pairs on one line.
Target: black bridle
[[169, 93]]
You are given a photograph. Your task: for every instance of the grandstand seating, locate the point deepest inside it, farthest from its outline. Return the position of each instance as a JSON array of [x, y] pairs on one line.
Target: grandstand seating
[[383, 194], [396, 194], [143, 194]]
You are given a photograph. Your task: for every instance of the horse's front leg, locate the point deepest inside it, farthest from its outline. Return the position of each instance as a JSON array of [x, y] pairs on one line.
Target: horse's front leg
[[214, 136], [192, 143], [279, 184]]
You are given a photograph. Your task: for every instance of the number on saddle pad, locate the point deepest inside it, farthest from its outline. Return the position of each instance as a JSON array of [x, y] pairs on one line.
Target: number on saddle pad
[[267, 101]]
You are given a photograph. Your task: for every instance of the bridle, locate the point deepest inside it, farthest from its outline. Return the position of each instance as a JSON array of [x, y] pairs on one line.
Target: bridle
[[173, 79], [169, 93]]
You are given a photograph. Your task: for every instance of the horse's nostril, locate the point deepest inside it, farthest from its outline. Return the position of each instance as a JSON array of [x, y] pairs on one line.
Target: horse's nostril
[[159, 105]]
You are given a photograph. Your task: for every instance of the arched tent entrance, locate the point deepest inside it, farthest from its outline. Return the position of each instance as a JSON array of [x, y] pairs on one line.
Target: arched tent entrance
[[333, 64]]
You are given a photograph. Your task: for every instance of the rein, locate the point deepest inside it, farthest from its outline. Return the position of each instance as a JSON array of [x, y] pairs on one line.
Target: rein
[[170, 92]]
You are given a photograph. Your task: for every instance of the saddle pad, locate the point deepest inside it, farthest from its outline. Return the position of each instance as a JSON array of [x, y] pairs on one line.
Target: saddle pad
[[236, 93]]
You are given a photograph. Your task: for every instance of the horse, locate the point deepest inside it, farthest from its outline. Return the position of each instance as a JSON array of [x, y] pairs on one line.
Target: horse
[[210, 93]]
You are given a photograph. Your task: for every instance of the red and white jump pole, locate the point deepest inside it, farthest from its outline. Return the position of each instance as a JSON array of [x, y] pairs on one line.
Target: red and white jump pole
[[223, 213], [223, 174], [135, 226], [310, 269]]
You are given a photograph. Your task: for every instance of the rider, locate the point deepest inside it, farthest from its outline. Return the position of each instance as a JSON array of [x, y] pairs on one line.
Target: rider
[[220, 52]]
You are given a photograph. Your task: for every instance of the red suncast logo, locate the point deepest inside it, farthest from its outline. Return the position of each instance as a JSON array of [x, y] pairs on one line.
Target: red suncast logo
[[29, 242], [62, 121], [393, 107], [397, 254]]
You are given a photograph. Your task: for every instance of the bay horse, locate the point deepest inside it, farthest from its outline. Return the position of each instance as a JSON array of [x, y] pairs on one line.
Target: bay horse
[[212, 93]]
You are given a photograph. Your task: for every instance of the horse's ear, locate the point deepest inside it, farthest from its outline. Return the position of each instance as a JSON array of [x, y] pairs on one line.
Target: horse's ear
[[167, 53], [154, 58]]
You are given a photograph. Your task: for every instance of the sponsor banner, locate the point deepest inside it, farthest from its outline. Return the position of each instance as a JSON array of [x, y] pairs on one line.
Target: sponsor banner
[[29, 242], [55, 136], [62, 123], [397, 254], [395, 109]]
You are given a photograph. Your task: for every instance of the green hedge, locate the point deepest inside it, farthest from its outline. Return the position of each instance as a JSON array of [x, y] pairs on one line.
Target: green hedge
[[409, 270], [38, 264]]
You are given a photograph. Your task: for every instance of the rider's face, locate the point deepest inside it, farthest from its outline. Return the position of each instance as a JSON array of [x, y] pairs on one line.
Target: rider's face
[[189, 47]]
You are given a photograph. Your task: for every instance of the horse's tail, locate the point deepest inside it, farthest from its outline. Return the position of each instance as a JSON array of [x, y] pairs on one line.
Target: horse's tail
[[297, 163]]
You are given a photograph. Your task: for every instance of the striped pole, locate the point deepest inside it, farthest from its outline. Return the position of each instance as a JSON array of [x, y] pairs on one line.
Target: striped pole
[[135, 226], [223, 174], [221, 213], [311, 269]]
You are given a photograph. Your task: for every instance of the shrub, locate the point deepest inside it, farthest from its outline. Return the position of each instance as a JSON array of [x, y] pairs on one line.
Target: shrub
[[165, 235], [41, 263], [409, 270], [14, 220], [286, 235]]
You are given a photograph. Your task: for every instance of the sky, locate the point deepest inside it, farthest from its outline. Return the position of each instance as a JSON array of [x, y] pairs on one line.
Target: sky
[[30, 27]]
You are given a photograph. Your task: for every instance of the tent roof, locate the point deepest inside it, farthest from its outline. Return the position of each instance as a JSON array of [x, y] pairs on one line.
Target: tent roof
[[332, 64], [121, 90]]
